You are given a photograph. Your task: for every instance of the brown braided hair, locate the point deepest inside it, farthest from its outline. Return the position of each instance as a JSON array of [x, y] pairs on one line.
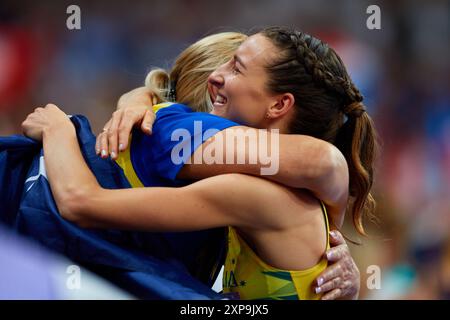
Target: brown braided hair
[[328, 106]]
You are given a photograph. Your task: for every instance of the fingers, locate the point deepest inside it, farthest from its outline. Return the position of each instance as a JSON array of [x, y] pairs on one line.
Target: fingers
[[333, 295], [98, 142], [116, 133], [342, 274], [335, 283], [341, 278], [112, 134], [24, 125], [147, 122], [103, 137], [336, 238], [337, 253], [125, 127], [333, 271]]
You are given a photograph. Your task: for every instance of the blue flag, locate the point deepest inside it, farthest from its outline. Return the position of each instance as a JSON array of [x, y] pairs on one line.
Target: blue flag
[[148, 265]]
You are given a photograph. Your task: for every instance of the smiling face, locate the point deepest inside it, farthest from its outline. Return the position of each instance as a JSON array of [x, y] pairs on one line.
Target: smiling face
[[238, 88]]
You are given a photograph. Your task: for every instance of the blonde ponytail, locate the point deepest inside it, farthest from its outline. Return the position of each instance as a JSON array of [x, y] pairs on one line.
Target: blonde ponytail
[[158, 81]]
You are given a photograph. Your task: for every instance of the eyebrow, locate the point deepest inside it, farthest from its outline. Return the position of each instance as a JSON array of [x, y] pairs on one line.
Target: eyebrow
[[240, 61]]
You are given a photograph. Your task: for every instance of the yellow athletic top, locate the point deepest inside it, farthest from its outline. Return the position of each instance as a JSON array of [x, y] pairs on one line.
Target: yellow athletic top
[[247, 277]]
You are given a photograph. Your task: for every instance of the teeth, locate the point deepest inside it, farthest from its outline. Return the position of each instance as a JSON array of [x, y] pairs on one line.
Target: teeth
[[220, 99]]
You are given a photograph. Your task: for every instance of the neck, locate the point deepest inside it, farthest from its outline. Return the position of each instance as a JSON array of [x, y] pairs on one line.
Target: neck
[[281, 124]]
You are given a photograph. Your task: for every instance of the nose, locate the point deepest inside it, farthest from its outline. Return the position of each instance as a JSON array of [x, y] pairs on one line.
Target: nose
[[217, 78]]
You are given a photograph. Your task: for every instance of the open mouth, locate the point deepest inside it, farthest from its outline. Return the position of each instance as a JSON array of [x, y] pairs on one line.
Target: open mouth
[[219, 100]]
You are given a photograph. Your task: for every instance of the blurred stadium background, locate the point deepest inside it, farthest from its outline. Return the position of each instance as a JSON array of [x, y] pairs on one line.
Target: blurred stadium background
[[402, 69]]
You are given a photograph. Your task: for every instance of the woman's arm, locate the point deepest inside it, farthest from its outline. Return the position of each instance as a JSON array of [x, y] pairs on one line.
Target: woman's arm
[[191, 208]]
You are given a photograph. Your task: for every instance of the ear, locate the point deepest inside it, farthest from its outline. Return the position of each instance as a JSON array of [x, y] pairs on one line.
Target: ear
[[281, 106]]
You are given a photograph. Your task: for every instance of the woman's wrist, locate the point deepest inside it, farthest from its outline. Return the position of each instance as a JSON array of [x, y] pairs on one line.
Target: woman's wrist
[[60, 128], [137, 97]]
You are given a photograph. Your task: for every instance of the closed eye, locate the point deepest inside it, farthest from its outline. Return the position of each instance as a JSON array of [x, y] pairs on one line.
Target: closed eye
[[235, 68]]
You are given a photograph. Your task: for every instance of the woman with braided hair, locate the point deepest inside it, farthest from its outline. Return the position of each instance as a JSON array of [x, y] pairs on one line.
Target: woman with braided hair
[[328, 106], [277, 79]]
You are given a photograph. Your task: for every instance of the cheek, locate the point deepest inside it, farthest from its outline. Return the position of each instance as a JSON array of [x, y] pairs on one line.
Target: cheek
[[255, 106], [250, 111], [247, 105]]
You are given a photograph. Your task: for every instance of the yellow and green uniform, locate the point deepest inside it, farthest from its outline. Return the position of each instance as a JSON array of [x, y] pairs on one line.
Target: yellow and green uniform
[[248, 277]]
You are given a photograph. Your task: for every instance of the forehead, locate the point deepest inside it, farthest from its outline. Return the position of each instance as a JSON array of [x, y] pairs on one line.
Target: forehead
[[256, 51]]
